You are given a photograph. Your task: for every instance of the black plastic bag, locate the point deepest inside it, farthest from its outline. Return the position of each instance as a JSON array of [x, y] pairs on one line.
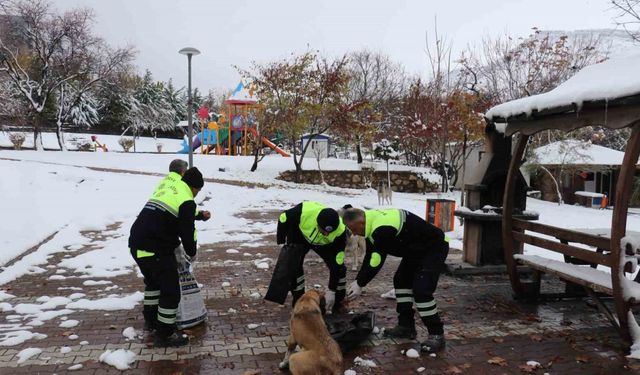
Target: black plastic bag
[[350, 330], [284, 273]]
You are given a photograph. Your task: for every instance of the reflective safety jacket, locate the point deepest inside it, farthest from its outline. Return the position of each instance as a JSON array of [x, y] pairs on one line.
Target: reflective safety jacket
[[170, 179], [299, 226], [300, 222], [165, 221], [399, 233]]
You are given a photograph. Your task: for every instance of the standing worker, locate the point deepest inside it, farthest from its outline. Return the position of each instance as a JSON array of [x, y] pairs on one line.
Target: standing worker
[[423, 250], [312, 225], [177, 167], [165, 221]]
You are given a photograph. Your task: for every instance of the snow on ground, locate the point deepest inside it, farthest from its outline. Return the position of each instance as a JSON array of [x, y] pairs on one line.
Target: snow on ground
[[27, 353], [46, 197], [120, 359]]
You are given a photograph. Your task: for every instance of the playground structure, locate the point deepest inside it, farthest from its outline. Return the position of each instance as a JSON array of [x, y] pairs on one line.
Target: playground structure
[[234, 132]]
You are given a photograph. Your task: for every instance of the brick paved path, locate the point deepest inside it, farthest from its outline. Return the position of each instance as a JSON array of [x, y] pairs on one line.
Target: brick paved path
[[484, 324]]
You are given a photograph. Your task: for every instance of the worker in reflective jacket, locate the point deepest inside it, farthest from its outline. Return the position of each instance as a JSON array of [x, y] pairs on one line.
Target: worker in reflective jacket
[[165, 221], [423, 250], [177, 168], [311, 225]]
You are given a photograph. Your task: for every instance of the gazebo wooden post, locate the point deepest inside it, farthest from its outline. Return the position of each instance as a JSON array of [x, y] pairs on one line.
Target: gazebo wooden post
[[507, 214], [618, 226]]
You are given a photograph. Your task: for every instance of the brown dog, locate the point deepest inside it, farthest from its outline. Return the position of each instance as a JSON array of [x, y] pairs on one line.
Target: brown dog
[[320, 354]]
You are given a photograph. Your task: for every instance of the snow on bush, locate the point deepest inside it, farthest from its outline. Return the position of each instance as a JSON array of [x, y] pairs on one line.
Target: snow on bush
[[126, 143], [120, 359], [17, 139], [27, 353]]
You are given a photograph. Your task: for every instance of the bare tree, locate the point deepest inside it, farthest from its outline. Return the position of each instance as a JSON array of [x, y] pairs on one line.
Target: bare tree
[[628, 16], [376, 84], [49, 50]]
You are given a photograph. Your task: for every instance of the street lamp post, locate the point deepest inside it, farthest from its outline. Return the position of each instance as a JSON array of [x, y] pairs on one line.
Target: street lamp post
[[189, 51]]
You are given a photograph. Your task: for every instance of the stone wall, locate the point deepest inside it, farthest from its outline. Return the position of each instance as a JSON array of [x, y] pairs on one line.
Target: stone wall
[[401, 181]]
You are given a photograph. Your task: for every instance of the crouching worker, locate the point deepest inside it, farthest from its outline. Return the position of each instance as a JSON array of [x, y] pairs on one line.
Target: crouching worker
[[423, 250], [309, 225], [165, 221]]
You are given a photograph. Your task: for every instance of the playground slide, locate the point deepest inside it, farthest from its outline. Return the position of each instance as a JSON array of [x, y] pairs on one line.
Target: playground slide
[[197, 141], [270, 144]]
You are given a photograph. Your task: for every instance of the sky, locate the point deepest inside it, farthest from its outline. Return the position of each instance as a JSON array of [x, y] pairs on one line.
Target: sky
[[238, 32]]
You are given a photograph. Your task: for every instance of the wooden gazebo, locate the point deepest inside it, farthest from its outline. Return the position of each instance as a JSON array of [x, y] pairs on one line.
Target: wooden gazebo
[[606, 94]]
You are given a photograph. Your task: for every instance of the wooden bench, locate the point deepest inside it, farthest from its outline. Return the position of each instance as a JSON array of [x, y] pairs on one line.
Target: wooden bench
[[600, 261]]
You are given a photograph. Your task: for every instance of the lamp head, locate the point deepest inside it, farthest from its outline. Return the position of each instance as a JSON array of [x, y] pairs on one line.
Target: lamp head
[[189, 51]]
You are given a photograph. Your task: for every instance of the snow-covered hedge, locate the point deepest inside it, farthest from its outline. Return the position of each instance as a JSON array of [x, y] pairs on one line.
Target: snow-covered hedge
[[17, 139]]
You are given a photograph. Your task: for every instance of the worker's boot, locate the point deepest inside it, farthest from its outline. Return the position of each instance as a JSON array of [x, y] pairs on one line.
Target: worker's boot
[[433, 344], [150, 318], [168, 336], [401, 332], [406, 328]]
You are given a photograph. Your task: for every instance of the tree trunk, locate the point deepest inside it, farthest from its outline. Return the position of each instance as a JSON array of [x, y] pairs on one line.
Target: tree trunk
[[60, 136], [256, 160], [358, 150], [555, 182], [37, 135]]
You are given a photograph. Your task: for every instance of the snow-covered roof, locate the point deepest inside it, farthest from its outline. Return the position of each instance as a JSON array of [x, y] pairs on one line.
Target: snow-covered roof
[[613, 79], [574, 152], [242, 95]]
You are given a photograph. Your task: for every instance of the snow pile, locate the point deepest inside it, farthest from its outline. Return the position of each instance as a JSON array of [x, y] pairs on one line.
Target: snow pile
[[232, 251], [110, 303], [412, 353], [4, 295], [633, 242], [26, 354], [364, 362], [12, 338], [614, 78], [262, 264], [226, 284], [349, 372], [420, 369], [73, 337], [534, 364], [69, 323], [255, 295], [75, 367], [253, 325], [65, 349], [130, 333], [120, 359], [91, 282], [114, 258]]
